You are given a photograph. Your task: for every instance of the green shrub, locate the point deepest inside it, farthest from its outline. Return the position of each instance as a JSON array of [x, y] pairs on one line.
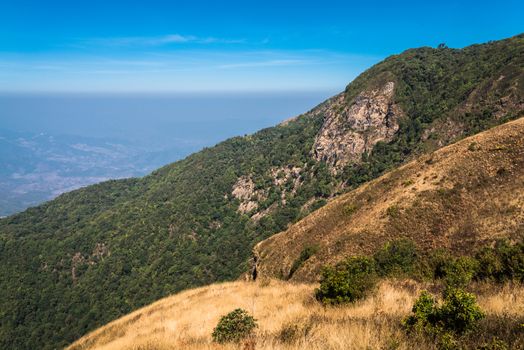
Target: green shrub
[[439, 258], [455, 272], [305, 254], [502, 263], [350, 209], [347, 282], [431, 265], [491, 266], [393, 211], [457, 314], [396, 257], [233, 327], [459, 272], [408, 183], [424, 313], [514, 262], [472, 147]]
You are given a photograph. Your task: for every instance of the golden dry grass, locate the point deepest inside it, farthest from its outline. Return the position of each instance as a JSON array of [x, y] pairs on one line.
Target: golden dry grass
[[186, 320]]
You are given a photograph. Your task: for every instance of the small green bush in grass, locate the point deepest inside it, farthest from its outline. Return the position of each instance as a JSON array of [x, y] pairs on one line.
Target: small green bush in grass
[[347, 282], [457, 314], [233, 327], [459, 272], [423, 313], [502, 263], [393, 211], [350, 209]]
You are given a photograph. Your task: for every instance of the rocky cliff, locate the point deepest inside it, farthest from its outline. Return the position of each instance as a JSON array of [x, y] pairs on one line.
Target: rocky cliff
[[349, 130]]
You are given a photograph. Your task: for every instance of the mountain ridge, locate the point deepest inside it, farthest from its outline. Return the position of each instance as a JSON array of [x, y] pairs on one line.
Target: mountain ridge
[[461, 197]]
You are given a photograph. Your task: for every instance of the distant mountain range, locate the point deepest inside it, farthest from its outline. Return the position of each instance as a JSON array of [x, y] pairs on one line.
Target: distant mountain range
[[94, 254]]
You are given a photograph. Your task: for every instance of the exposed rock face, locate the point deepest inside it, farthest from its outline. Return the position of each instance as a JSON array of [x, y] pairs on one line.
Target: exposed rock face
[[99, 252], [351, 130], [244, 191], [283, 175], [286, 178]]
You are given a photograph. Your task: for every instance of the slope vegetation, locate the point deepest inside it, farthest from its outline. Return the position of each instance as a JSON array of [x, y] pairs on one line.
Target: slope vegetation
[[463, 196], [92, 255], [288, 318]]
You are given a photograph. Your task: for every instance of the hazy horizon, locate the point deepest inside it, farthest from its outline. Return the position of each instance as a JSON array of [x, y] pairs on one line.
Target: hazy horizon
[[143, 116]]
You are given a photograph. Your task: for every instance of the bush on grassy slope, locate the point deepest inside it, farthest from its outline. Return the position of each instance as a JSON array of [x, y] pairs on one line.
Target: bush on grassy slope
[[457, 314], [349, 281], [233, 327]]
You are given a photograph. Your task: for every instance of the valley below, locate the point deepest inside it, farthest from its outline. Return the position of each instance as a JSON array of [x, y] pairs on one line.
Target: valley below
[[39, 167]]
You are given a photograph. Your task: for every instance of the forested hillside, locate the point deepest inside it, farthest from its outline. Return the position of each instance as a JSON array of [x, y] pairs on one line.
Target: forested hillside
[[94, 254]]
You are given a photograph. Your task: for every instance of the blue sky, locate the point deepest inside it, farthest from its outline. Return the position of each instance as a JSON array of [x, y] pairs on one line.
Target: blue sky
[[174, 46]]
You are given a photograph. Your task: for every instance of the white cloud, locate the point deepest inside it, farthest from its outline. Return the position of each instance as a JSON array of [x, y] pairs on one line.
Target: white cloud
[[159, 40], [269, 63]]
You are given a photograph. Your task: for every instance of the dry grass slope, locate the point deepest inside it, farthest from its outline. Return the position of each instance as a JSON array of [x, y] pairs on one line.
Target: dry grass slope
[[459, 197], [186, 320]]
